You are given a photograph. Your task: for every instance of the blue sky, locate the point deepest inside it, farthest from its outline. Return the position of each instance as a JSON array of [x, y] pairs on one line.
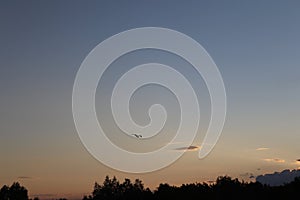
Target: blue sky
[[254, 43]]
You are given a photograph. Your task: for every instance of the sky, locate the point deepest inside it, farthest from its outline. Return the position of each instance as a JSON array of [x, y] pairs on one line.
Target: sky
[[255, 45]]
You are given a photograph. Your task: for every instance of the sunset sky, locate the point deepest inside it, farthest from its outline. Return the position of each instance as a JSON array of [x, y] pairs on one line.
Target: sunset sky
[[255, 44]]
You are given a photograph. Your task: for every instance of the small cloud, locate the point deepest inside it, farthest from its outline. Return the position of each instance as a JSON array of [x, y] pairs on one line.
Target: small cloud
[[24, 177], [297, 162], [262, 149], [44, 195], [245, 174], [276, 160], [248, 175], [189, 148], [210, 182]]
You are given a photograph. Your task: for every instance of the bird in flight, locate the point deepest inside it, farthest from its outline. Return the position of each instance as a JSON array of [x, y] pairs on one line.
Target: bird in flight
[[137, 136]]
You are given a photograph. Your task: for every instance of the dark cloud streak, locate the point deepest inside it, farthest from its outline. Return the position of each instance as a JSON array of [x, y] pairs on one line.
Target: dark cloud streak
[[189, 148]]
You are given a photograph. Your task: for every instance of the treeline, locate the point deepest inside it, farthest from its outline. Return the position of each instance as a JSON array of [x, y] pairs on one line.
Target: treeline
[[224, 188], [14, 192]]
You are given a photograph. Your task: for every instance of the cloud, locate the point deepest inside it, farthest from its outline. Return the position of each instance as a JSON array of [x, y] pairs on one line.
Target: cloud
[[248, 175], [44, 195], [24, 177], [262, 149], [276, 160], [189, 148], [297, 162], [210, 182], [278, 178]]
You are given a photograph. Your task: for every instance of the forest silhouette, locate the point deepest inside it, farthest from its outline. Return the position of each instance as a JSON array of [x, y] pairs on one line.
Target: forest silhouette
[[223, 188]]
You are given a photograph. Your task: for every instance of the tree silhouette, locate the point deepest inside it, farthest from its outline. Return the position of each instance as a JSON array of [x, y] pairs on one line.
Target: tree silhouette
[[112, 189], [14, 192], [4, 193], [224, 188], [227, 188]]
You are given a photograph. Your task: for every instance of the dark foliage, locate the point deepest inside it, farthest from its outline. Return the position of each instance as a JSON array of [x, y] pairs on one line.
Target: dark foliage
[[112, 189], [224, 188], [14, 192]]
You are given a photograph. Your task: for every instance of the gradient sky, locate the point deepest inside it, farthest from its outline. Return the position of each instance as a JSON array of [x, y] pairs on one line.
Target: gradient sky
[[255, 44]]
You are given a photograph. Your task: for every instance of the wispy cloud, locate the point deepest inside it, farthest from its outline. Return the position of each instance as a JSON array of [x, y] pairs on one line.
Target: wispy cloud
[[262, 149], [210, 182], [24, 177], [276, 160], [44, 195], [248, 175], [189, 148], [296, 162]]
